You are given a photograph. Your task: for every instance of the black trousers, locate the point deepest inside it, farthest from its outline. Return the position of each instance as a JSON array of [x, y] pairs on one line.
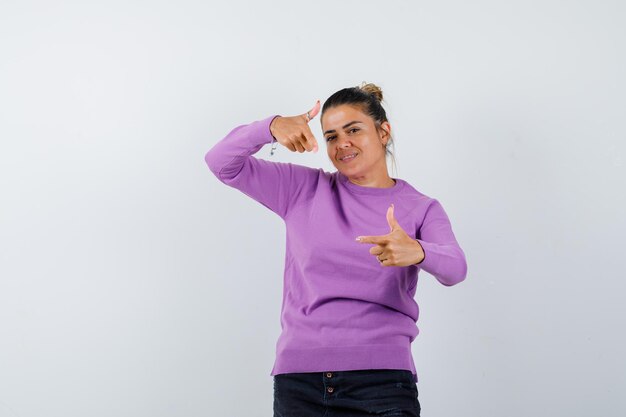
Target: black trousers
[[380, 392]]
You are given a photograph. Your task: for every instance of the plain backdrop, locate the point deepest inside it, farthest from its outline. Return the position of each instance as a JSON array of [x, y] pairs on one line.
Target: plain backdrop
[[134, 283]]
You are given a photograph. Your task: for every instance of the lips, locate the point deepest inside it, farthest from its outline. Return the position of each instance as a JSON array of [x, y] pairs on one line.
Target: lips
[[348, 156]]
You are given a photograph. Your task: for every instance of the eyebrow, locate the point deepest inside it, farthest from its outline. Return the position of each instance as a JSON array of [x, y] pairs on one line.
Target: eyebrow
[[344, 126]]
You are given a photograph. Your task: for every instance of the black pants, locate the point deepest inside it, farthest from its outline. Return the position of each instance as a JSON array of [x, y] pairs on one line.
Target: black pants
[[380, 392]]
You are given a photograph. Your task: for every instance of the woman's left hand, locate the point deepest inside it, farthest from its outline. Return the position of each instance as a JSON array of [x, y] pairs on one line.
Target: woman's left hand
[[396, 248]]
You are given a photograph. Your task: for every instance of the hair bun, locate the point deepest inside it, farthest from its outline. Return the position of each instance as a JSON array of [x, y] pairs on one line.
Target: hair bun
[[372, 89]]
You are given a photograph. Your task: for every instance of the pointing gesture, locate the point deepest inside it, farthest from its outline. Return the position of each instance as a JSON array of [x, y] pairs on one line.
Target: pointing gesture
[[396, 248], [294, 133]]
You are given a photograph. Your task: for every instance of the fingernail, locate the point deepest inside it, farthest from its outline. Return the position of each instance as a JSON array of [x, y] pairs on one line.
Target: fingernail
[[358, 238]]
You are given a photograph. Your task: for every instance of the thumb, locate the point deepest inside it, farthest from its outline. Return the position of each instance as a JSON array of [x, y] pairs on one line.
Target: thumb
[[391, 219], [308, 116], [314, 111]]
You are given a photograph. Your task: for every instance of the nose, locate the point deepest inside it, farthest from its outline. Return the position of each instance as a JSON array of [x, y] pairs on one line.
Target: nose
[[343, 141]]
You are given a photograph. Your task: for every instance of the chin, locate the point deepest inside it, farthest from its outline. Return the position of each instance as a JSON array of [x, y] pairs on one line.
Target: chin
[[348, 173]]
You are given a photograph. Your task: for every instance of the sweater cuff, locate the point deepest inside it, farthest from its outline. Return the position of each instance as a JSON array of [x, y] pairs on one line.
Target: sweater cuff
[[428, 261], [271, 119]]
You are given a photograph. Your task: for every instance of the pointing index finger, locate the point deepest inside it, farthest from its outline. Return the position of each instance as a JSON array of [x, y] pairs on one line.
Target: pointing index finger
[[370, 239], [310, 140]]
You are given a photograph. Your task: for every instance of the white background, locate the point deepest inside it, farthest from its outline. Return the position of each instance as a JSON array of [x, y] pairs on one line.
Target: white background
[[134, 283]]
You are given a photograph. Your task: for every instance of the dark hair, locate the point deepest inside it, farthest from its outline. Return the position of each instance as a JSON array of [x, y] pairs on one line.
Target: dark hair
[[367, 97]]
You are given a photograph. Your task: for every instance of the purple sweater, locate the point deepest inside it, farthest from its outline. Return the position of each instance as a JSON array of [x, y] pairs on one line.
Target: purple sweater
[[341, 309]]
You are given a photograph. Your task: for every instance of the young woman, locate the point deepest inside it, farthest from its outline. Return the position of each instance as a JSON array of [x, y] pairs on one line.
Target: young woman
[[356, 241]]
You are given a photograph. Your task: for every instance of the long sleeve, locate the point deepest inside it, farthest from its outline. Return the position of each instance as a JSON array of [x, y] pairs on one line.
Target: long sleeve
[[276, 185], [444, 259]]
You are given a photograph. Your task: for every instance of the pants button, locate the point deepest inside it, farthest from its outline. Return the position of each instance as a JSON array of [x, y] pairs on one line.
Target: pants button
[[329, 374], [330, 389]]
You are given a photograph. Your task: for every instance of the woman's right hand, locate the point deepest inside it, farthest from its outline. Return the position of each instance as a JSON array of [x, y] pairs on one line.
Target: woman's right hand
[[294, 133]]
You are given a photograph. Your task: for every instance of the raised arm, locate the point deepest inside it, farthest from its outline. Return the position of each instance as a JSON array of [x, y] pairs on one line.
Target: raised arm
[[444, 258], [277, 185]]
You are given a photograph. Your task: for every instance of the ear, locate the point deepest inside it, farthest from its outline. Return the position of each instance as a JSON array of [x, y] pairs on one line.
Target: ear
[[385, 133]]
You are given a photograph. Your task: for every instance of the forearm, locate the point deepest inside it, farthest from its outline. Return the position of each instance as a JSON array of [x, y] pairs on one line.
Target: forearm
[[446, 262], [226, 158]]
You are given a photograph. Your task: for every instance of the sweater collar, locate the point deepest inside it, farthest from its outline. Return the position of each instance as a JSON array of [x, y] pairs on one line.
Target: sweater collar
[[359, 189]]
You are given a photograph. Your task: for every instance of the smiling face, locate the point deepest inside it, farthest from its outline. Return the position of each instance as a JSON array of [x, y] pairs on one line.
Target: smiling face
[[349, 131]]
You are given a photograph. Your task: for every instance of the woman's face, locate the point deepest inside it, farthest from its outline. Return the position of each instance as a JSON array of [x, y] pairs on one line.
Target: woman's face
[[349, 131]]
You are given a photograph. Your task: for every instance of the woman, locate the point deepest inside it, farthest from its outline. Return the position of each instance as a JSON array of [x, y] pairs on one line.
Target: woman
[[356, 240]]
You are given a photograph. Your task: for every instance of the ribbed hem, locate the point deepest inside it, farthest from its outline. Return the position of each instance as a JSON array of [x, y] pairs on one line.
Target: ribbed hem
[[344, 358]]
